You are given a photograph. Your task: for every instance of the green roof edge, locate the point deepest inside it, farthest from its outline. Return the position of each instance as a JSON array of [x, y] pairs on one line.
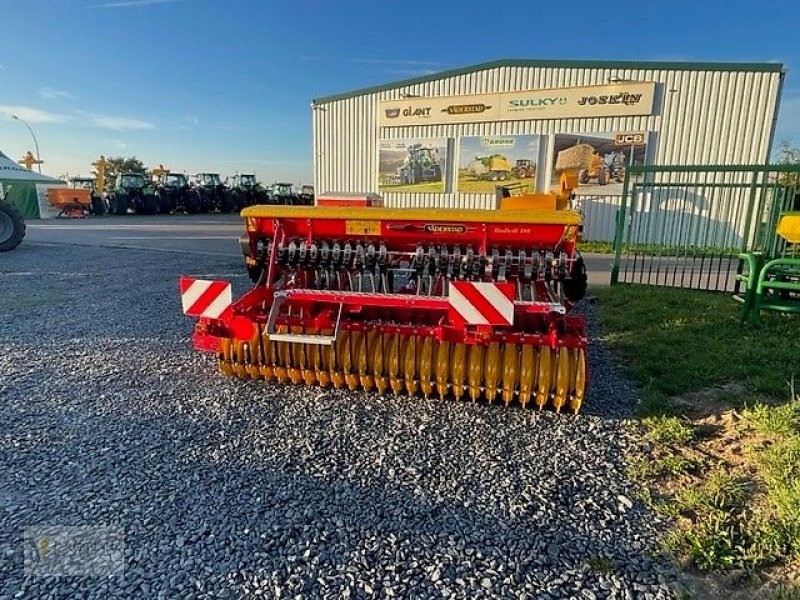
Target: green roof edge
[[567, 64]]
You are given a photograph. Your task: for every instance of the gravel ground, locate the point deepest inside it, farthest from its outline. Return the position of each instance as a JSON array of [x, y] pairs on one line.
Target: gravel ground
[[227, 488]]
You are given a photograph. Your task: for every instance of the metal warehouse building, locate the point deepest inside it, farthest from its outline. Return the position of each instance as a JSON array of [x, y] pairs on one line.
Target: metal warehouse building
[[447, 139]]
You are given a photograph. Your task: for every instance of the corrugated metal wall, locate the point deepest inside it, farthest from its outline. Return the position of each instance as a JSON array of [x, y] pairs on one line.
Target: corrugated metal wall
[[701, 117]]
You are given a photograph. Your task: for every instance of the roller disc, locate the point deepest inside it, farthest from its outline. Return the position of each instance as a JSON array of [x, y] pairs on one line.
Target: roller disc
[[396, 348], [281, 358], [365, 377], [579, 390], [562, 379], [475, 371], [320, 364], [267, 370], [224, 357], [378, 369], [297, 358], [410, 366], [528, 368], [342, 347], [458, 369], [544, 377], [442, 368], [254, 359], [238, 350], [425, 367], [510, 372], [491, 371], [349, 360], [311, 362]]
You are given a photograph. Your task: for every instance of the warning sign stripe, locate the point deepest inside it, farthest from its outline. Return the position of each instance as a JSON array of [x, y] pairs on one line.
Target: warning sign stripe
[[204, 298], [483, 303]]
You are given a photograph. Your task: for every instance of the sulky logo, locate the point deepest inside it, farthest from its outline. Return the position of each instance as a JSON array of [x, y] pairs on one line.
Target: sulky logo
[[536, 102], [466, 109], [442, 228]]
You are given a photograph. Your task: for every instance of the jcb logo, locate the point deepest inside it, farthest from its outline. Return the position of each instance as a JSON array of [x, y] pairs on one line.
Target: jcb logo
[[630, 138]]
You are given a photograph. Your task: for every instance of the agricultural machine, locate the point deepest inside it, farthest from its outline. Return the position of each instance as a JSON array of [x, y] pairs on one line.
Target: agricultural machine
[[12, 225], [306, 194], [456, 303], [174, 194], [96, 205], [283, 193], [211, 193], [246, 191], [525, 168], [604, 170], [420, 165], [131, 192], [493, 168]]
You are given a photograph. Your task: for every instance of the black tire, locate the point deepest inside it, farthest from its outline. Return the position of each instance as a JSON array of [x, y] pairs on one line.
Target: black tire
[[191, 204], [98, 207], [164, 203], [12, 227], [584, 177], [602, 177], [117, 206], [148, 205], [226, 204], [575, 286]]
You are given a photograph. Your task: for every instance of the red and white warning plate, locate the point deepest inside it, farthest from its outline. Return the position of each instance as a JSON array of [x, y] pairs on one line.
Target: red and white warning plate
[[205, 298], [482, 303]]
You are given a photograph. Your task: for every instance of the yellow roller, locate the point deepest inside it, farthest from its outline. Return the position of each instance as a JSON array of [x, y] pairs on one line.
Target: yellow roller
[[238, 360], [224, 355], [410, 366], [338, 360], [528, 368], [365, 372], [511, 372], [296, 358], [311, 362], [396, 352], [458, 369], [321, 363], [267, 365], [543, 378], [491, 371], [442, 368], [475, 372], [376, 357], [562, 380], [282, 359], [425, 367], [348, 360], [254, 357], [579, 390]]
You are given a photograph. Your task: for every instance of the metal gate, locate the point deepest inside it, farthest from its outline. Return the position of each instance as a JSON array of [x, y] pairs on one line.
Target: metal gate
[[684, 226]]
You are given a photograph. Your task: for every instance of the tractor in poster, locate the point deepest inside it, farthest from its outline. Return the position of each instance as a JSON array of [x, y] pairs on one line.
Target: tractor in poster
[[420, 165]]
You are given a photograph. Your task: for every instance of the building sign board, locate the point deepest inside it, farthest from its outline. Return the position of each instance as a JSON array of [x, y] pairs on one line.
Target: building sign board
[[622, 99]]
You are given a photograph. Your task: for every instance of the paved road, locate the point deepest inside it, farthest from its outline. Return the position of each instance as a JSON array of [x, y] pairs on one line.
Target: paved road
[[206, 234]]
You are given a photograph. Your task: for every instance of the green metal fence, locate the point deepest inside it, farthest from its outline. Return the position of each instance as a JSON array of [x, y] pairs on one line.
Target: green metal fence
[[684, 226]]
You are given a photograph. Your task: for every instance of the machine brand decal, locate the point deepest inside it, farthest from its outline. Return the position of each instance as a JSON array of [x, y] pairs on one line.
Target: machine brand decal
[[444, 228], [358, 227], [625, 98], [630, 138], [205, 298], [464, 109], [513, 230], [541, 102], [392, 113], [483, 303], [417, 112]]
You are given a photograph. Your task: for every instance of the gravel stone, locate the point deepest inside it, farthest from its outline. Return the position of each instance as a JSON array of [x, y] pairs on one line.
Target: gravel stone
[[241, 489]]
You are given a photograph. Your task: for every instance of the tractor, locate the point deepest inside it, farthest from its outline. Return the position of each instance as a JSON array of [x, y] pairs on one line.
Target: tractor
[[604, 170], [525, 168], [211, 193], [97, 205], [306, 195], [283, 193], [132, 192], [421, 164], [246, 191], [174, 194]]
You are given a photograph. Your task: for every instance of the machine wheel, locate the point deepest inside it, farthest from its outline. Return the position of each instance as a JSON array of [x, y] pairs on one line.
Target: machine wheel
[[98, 208], [12, 227], [191, 204], [164, 204], [117, 206], [148, 205], [226, 204], [584, 176], [602, 177], [575, 287]]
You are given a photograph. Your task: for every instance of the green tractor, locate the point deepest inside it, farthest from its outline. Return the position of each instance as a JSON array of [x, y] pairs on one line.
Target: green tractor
[[421, 164], [211, 193], [245, 190], [132, 192], [174, 193]]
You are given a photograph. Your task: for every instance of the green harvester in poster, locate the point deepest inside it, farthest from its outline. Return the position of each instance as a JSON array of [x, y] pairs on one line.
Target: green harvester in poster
[[485, 162]]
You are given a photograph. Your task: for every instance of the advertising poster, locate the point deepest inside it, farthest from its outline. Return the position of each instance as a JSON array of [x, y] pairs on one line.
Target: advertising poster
[[598, 158], [485, 162], [412, 165]]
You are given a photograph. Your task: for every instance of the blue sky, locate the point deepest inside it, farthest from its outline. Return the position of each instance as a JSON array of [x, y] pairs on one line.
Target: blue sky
[[227, 84]]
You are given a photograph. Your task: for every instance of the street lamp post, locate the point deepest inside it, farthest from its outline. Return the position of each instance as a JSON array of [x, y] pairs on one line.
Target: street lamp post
[[35, 143]]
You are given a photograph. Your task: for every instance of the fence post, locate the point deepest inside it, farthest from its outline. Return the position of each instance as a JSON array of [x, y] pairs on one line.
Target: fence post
[[620, 228]]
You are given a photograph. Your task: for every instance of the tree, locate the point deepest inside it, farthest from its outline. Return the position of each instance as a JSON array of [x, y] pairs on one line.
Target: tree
[[118, 164]]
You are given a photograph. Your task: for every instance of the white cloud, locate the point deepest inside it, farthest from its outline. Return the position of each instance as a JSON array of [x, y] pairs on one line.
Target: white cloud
[[116, 123], [33, 115], [125, 3], [50, 93]]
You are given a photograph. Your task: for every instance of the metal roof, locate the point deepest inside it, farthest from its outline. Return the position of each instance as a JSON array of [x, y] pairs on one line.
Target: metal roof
[[561, 64]]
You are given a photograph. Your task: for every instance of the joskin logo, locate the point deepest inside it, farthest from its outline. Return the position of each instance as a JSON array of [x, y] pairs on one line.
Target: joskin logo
[[393, 113], [465, 109], [621, 98], [441, 228], [536, 103]]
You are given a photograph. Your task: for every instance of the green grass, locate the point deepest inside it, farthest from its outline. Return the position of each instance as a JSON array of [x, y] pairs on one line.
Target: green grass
[[775, 420], [657, 249], [668, 430], [436, 187], [675, 342], [470, 185], [642, 469]]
